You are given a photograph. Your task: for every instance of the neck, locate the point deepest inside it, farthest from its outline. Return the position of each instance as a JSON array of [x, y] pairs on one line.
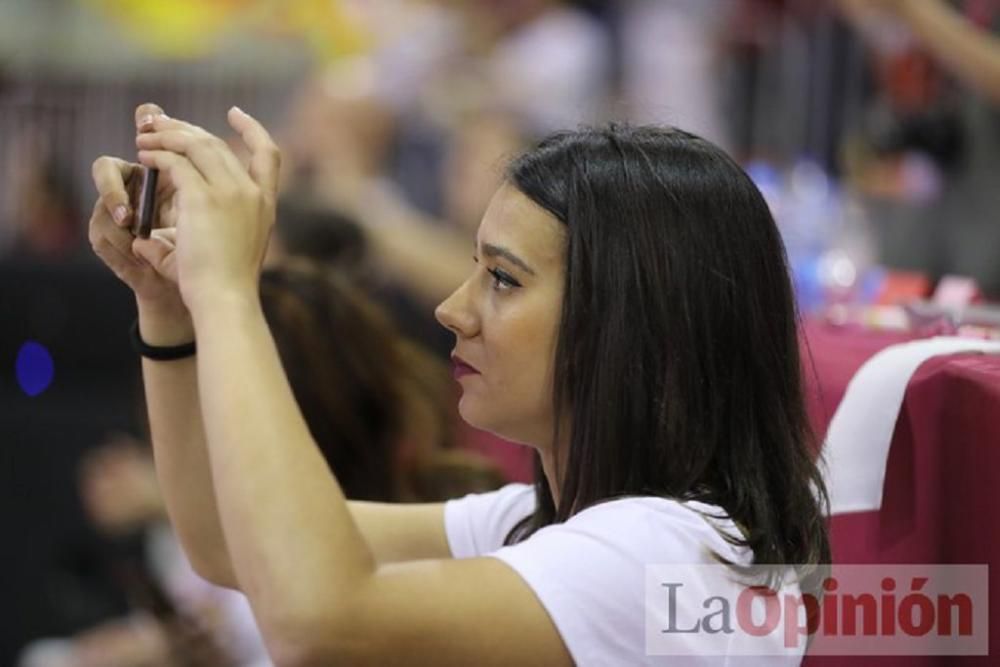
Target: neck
[[551, 475], [555, 473]]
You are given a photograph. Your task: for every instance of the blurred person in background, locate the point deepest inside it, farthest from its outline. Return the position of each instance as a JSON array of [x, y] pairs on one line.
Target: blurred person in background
[[961, 35], [407, 137], [409, 246], [307, 230], [766, 62], [929, 154], [177, 618], [40, 205], [430, 66], [672, 63]]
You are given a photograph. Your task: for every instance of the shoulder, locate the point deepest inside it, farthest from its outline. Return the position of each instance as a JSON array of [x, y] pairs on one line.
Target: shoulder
[[657, 530], [591, 572], [478, 523]]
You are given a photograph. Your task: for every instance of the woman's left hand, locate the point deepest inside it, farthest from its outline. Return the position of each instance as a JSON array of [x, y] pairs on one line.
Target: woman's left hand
[[224, 212]]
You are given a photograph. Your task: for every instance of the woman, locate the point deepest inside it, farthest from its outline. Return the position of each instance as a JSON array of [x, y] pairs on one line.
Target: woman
[[629, 316]]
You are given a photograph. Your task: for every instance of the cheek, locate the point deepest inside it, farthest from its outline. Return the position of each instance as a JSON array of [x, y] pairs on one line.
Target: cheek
[[520, 348]]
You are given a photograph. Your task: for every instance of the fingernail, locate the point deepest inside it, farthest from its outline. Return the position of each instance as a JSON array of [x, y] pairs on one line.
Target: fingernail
[[146, 120], [120, 213], [241, 111]]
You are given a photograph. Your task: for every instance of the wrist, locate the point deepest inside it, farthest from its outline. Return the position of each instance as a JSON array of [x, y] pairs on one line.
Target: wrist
[[218, 303], [164, 322]]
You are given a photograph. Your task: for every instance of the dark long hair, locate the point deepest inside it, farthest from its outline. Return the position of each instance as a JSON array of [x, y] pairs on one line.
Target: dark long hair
[[677, 365]]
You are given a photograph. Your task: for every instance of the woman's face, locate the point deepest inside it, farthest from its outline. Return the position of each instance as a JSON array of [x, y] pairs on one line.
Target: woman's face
[[505, 317]]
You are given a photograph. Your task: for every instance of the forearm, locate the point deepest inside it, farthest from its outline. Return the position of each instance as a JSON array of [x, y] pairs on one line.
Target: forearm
[[179, 446], [430, 261], [432, 258], [295, 550], [970, 53]]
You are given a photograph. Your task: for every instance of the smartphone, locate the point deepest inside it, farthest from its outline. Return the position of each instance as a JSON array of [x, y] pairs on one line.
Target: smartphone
[[145, 204]]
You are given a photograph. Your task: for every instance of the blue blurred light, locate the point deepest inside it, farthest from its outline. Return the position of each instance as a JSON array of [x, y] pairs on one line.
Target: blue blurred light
[[34, 368]]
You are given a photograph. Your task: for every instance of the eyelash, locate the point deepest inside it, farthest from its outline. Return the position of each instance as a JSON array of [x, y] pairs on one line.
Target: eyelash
[[502, 281]]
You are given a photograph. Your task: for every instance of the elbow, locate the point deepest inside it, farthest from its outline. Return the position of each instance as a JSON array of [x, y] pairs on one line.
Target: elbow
[[214, 574], [207, 555], [300, 656], [286, 655], [212, 567]]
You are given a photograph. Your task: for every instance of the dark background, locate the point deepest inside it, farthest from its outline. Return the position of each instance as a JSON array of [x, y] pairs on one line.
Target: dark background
[[52, 567]]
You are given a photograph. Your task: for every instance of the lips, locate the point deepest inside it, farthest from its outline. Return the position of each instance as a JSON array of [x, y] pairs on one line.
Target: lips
[[460, 368]]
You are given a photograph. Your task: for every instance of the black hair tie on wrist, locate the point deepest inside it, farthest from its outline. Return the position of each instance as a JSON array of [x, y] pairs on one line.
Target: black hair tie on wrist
[[158, 353]]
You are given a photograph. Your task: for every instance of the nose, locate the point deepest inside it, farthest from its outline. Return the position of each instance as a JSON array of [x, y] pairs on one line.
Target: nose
[[455, 313]]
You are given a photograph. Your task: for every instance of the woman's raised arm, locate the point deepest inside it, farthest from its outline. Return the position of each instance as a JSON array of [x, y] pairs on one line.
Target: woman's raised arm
[[148, 267]]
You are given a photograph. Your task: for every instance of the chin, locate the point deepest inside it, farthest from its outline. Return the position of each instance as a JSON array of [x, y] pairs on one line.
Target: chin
[[472, 411], [484, 418]]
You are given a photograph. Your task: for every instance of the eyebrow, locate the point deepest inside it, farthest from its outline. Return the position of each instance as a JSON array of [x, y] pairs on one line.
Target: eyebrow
[[491, 250]]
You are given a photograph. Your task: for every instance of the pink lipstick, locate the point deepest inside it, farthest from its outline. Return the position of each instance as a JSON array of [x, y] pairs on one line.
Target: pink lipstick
[[459, 368]]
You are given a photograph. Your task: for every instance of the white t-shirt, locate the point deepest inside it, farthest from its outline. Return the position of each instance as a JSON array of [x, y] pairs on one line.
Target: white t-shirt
[[590, 572]]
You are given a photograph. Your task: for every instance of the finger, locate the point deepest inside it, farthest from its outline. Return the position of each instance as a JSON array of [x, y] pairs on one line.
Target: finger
[[265, 158], [159, 254], [183, 174], [166, 235], [159, 123], [154, 250], [145, 114], [103, 231], [112, 177], [210, 155], [168, 213], [116, 252], [164, 124], [123, 265]]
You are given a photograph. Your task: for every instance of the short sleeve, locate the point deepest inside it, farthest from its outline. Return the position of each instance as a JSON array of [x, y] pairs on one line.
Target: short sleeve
[[478, 523], [590, 576]]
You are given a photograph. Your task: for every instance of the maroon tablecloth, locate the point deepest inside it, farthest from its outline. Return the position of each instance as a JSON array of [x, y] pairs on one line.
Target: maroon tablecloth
[[939, 501]]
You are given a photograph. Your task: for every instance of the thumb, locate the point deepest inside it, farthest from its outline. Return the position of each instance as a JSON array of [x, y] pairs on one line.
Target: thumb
[[158, 252]]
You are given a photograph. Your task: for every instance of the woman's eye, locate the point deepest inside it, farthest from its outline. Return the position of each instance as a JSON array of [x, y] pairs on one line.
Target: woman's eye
[[503, 281]]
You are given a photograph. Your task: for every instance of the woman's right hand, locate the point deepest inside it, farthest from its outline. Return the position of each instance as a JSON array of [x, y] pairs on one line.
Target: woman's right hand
[[148, 265]]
